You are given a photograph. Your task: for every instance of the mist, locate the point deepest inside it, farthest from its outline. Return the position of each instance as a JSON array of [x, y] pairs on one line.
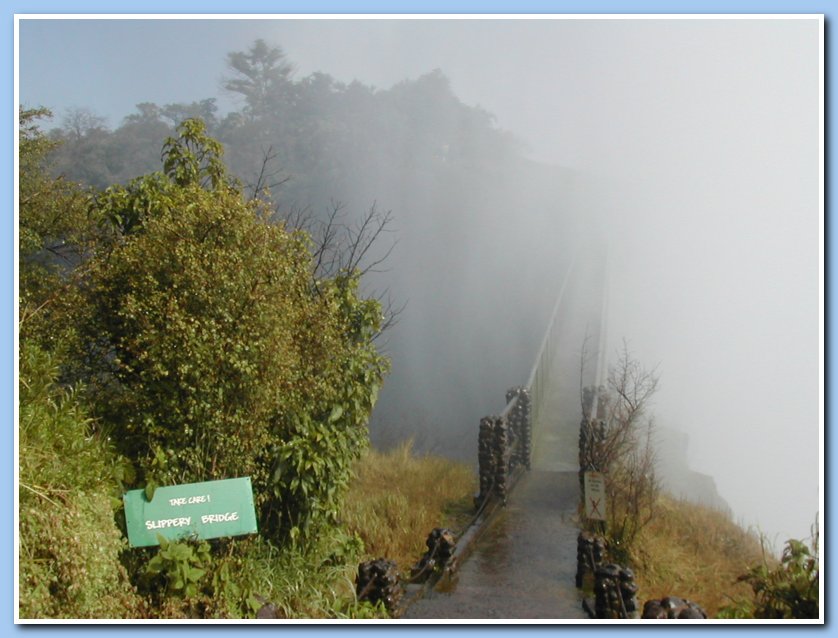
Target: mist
[[689, 149]]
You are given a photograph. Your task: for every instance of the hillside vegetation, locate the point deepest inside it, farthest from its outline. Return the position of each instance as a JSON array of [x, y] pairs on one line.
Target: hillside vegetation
[[675, 547], [692, 551]]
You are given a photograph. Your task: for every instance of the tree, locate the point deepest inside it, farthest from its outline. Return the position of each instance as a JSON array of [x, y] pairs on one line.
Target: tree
[[213, 353], [98, 157], [205, 110], [262, 76], [79, 122]]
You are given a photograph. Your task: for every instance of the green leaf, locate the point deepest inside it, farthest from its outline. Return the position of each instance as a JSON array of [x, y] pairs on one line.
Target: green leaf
[[196, 574]]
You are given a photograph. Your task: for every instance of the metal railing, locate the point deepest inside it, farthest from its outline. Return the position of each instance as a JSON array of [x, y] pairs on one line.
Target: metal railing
[[538, 380], [601, 364], [505, 440]]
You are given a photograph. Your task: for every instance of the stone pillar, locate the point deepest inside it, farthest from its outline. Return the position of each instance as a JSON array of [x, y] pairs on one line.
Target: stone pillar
[[379, 581], [501, 454], [590, 554], [616, 592], [441, 543], [485, 459]]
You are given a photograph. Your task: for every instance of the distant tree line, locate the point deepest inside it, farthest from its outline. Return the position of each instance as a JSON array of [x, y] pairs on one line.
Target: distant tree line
[[313, 136]]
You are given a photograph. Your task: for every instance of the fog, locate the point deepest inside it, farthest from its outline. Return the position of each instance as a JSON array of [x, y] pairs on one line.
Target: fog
[[688, 148]]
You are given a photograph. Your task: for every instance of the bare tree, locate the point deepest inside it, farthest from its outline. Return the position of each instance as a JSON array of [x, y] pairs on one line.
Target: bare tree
[[619, 443]]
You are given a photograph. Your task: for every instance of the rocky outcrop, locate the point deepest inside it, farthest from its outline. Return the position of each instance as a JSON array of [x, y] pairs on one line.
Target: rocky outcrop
[[676, 476]]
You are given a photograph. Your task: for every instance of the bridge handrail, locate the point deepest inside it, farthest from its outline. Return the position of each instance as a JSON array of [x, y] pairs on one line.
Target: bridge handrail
[[601, 366], [542, 350]]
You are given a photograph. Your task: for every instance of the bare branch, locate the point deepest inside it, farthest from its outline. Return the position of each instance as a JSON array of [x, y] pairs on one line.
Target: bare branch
[[623, 447], [267, 180], [391, 312]]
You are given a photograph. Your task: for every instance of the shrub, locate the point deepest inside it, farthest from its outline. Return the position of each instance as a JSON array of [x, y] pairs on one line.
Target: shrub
[[211, 350], [788, 590], [69, 544], [55, 231]]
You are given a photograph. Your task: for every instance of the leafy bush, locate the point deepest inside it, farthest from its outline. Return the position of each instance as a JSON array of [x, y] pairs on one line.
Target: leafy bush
[[69, 545], [211, 350], [788, 590], [178, 568]]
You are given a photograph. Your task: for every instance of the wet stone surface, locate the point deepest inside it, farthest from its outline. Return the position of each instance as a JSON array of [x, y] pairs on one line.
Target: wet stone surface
[[523, 565]]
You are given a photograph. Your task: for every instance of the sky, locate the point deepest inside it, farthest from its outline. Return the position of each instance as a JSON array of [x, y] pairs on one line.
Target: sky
[[703, 133]]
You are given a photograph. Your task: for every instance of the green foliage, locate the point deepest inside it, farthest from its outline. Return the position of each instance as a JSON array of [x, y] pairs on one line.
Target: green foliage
[[52, 211], [55, 231], [193, 157], [240, 576], [788, 590], [207, 350], [178, 568], [212, 353], [69, 545]]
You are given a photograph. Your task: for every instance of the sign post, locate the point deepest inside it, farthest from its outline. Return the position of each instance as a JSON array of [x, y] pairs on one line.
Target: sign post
[[595, 496], [193, 510]]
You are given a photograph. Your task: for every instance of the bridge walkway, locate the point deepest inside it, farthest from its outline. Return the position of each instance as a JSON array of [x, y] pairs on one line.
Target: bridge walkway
[[523, 564]]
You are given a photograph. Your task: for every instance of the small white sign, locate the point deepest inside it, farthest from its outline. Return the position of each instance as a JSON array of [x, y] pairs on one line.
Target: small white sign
[[595, 495]]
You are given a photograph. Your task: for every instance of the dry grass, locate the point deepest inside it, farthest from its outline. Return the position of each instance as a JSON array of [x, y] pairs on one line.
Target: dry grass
[[397, 498], [694, 552]]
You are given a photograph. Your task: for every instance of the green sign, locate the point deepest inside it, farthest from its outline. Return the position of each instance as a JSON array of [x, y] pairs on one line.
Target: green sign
[[193, 510]]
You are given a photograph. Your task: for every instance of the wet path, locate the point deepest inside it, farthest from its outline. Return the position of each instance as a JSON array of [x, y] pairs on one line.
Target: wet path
[[524, 563]]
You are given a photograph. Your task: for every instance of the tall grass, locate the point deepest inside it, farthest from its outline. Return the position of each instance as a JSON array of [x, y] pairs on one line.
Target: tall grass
[[694, 552], [396, 498]]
